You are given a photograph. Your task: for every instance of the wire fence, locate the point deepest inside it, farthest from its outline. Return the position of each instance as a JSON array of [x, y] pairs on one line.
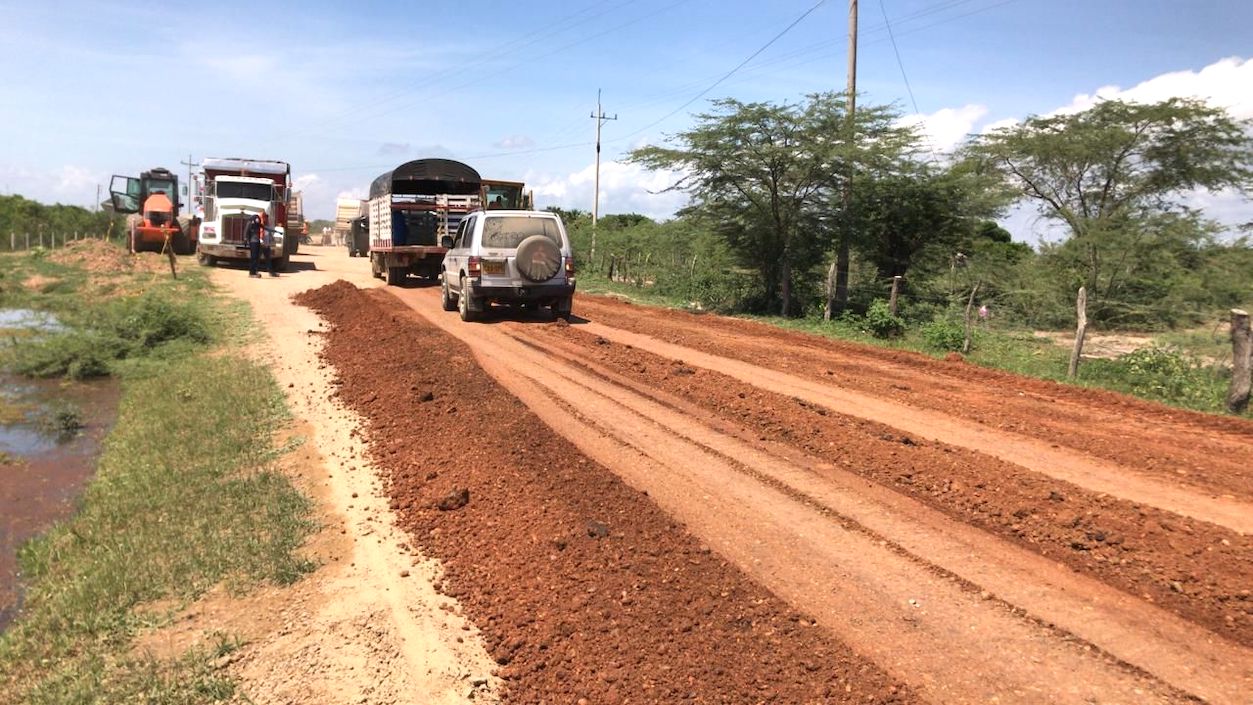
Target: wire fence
[[20, 241]]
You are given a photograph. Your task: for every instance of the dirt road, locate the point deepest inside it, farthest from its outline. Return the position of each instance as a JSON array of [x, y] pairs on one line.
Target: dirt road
[[850, 523]]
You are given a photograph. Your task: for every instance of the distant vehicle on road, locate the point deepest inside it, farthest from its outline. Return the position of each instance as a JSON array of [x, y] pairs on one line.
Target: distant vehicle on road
[[412, 208], [358, 239]]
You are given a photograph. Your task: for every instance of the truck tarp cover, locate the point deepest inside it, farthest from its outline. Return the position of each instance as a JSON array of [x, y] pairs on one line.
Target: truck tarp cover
[[251, 166], [425, 177]]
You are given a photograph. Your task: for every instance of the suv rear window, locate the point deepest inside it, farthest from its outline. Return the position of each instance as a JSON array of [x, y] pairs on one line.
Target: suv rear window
[[508, 231]]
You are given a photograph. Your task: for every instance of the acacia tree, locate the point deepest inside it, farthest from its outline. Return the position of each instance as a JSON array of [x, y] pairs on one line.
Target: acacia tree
[[763, 174], [1109, 173]]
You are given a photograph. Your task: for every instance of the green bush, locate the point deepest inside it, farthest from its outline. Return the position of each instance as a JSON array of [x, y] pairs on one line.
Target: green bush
[[943, 335], [123, 329], [880, 322], [1162, 374], [74, 354], [150, 320]]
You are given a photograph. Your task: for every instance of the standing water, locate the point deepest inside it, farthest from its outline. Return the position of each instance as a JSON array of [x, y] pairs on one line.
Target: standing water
[[42, 467]]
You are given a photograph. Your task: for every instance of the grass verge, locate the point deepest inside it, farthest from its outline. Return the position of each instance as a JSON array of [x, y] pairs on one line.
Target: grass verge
[[185, 498]]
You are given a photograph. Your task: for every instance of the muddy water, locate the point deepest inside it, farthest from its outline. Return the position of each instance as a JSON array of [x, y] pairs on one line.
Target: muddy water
[[42, 475]]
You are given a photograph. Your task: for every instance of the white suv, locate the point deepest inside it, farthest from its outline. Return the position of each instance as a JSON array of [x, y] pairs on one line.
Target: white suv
[[520, 258]]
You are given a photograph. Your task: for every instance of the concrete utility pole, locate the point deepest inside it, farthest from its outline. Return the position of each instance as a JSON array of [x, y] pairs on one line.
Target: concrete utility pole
[[837, 278], [97, 208], [600, 118], [189, 164]]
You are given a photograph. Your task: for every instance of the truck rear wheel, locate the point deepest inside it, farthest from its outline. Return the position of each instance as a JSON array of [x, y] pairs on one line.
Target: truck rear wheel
[[205, 260], [396, 275], [282, 263]]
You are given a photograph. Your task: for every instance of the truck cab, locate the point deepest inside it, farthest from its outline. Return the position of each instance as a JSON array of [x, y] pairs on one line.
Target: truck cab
[[234, 190]]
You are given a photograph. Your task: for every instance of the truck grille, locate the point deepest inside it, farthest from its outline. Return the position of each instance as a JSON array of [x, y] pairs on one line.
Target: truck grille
[[233, 227]]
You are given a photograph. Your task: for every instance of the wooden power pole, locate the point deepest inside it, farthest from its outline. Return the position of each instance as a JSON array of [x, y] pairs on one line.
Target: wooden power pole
[[837, 277]]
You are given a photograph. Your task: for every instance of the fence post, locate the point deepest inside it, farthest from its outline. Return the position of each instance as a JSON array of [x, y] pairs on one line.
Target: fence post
[[896, 286], [969, 303], [1081, 307], [1241, 351]]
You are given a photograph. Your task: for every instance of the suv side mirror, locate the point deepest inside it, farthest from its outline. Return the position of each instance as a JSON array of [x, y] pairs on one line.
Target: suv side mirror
[[446, 242]]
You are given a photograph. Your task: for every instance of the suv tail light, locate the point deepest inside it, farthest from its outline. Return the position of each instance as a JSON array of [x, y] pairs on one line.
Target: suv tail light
[[474, 267], [569, 267]]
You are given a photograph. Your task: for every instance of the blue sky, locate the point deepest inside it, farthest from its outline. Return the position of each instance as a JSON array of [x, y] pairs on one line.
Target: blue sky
[[346, 91]]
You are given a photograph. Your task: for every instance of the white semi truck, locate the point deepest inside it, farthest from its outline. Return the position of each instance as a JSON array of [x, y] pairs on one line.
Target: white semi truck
[[233, 190]]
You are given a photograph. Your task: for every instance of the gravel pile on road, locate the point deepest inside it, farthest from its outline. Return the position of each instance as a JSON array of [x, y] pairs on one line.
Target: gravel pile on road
[[584, 589]]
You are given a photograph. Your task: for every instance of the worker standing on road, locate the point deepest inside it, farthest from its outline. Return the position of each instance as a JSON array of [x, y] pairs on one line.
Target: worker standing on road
[[252, 236], [259, 237]]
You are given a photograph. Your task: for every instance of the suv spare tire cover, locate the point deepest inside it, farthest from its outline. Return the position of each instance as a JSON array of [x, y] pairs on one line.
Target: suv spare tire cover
[[538, 258]]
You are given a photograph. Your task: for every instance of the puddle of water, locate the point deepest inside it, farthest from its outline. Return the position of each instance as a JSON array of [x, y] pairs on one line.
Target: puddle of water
[[29, 319], [45, 476], [24, 441]]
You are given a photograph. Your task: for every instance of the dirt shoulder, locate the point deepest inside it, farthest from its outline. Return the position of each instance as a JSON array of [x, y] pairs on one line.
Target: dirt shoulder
[[368, 626]]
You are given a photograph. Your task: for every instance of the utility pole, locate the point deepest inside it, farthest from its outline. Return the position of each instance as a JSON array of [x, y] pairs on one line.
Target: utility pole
[[837, 278], [97, 208], [189, 164], [600, 118]]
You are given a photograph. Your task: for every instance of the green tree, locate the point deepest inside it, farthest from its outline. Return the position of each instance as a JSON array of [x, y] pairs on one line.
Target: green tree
[[1116, 177], [899, 216], [763, 173]]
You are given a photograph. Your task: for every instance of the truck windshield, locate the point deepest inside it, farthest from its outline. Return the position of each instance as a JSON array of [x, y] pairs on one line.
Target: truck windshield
[[502, 196], [508, 231], [235, 189]]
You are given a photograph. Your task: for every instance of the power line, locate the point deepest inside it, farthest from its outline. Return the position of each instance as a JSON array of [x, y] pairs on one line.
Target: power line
[[895, 50], [509, 48], [729, 74]]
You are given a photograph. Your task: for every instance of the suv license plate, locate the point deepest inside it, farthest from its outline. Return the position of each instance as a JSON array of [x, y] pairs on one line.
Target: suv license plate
[[494, 266]]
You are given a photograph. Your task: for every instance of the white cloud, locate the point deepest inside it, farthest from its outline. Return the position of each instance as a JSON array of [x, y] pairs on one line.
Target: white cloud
[[948, 127], [624, 188], [69, 184], [1227, 83]]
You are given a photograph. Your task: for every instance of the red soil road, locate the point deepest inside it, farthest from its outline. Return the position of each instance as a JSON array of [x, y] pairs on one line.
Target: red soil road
[[1208, 453], [946, 592], [581, 586], [957, 614]]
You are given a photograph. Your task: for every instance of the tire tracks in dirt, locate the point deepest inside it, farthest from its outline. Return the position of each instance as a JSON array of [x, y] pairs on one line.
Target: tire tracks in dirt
[[919, 622], [1048, 459], [1213, 460]]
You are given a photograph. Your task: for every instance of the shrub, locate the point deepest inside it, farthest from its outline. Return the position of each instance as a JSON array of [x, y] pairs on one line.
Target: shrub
[[76, 355], [1163, 374], [880, 322], [943, 335], [126, 328], [151, 319]]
